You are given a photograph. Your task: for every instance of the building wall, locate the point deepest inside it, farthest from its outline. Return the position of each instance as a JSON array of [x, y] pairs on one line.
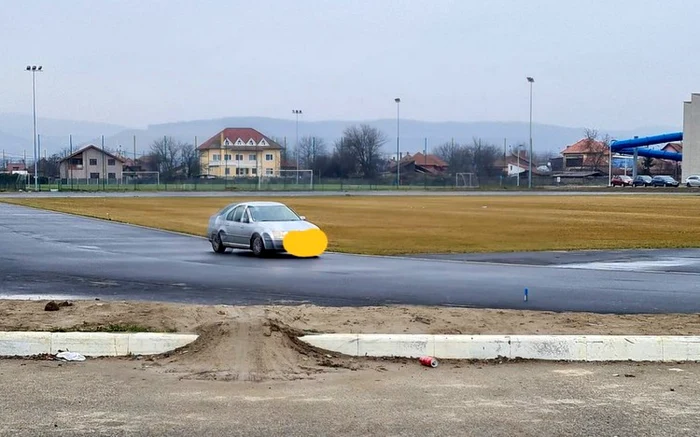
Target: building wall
[[213, 162], [100, 166], [691, 137]]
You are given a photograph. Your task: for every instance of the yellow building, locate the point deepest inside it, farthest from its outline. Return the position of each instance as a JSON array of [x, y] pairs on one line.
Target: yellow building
[[240, 152]]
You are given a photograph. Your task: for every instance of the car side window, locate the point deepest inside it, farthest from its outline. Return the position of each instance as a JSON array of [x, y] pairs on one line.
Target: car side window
[[229, 216], [237, 214]]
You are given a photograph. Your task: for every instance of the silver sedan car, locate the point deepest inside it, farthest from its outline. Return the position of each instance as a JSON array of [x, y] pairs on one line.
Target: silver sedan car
[[257, 226]]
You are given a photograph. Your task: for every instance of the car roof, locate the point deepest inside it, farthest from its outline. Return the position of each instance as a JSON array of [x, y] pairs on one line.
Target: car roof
[[259, 203]]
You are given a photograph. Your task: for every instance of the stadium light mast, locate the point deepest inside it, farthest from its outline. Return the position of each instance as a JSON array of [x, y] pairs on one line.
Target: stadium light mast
[[398, 149], [529, 173], [33, 69]]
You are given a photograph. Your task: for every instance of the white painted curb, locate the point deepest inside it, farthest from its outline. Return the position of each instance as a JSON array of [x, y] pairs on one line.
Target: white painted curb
[[90, 344], [536, 347]]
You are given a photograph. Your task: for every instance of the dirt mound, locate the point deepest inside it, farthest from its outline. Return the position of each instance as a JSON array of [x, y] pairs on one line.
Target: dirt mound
[[249, 348]]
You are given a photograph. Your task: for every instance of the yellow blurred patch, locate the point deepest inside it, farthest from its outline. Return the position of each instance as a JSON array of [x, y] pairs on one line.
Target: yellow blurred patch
[[312, 242]]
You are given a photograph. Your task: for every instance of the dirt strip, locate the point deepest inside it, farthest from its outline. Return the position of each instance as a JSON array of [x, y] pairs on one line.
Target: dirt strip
[[256, 343]]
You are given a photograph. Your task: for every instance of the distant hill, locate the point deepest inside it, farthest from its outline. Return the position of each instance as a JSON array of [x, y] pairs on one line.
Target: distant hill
[[413, 133], [546, 138], [17, 132], [13, 148]]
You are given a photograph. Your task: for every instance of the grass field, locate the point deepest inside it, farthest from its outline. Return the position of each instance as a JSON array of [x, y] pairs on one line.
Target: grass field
[[402, 225]]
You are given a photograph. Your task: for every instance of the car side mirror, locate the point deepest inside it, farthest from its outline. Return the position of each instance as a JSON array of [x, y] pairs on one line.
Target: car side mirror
[[303, 217]]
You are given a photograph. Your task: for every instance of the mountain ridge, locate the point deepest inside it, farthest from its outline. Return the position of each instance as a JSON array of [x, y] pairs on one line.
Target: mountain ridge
[[413, 133]]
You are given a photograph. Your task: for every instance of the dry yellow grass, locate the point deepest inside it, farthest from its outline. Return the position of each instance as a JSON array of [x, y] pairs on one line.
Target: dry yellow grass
[[406, 224]]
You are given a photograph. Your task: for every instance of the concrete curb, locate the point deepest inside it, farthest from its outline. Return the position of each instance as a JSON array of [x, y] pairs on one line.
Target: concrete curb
[[90, 344], [535, 347]]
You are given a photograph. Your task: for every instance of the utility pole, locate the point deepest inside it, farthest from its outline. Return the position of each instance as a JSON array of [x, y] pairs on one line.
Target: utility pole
[[70, 160], [313, 155], [297, 112], [199, 161], [425, 162], [103, 163]]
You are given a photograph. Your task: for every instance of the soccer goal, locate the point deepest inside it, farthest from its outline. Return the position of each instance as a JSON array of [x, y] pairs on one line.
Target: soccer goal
[[466, 180], [289, 179], [141, 177]]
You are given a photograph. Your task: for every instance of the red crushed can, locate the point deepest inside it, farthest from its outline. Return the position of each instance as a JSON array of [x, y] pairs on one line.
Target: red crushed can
[[428, 361]]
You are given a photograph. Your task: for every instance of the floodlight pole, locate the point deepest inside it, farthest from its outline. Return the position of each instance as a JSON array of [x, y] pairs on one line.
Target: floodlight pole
[[398, 149], [529, 174], [34, 69]]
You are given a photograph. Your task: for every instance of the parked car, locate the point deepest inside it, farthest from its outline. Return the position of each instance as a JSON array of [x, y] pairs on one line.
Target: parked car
[[621, 181], [641, 181], [692, 181], [664, 181], [256, 226]]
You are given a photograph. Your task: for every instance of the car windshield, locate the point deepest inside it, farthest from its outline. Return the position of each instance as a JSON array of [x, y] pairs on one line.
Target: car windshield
[[272, 213]]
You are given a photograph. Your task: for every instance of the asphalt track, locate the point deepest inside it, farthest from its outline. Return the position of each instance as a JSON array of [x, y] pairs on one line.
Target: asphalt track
[[45, 254]]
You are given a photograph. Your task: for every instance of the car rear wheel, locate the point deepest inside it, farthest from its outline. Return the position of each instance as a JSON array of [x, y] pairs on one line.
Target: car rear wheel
[[217, 244], [257, 246]]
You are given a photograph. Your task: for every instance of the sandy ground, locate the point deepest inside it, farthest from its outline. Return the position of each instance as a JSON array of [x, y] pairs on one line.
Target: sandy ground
[[119, 397], [29, 315], [259, 343], [247, 374]]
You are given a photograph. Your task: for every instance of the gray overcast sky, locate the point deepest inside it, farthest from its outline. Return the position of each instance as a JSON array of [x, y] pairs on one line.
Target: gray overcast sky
[[607, 64]]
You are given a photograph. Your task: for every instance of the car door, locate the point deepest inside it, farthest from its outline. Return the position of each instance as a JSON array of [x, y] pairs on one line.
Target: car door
[[247, 228], [233, 224]]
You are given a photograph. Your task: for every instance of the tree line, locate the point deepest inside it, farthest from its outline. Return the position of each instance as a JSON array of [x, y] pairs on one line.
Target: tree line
[[357, 154]]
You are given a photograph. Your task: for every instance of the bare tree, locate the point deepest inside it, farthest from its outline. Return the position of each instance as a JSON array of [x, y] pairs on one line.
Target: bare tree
[[341, 164], [484, 158], [458, 157], [164, 155], [363, 144], [310, 149], [596, 150], [189, 158], [49, 167]]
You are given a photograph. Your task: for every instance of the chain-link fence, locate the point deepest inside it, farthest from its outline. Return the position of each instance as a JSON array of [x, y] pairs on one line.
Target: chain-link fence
[[12, 182], [304, 182]]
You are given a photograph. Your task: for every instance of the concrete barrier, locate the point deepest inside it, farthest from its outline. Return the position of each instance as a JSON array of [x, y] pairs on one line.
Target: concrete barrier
[[90, 344], [536, 347]]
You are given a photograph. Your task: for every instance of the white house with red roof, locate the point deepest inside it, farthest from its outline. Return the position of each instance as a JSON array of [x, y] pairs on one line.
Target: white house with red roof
[[240, 152]]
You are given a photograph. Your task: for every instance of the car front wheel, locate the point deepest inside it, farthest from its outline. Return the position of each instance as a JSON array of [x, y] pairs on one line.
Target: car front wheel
[[257, 246]]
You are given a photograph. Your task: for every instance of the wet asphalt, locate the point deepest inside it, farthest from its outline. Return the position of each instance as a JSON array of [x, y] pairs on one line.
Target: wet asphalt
[[51, 254]]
